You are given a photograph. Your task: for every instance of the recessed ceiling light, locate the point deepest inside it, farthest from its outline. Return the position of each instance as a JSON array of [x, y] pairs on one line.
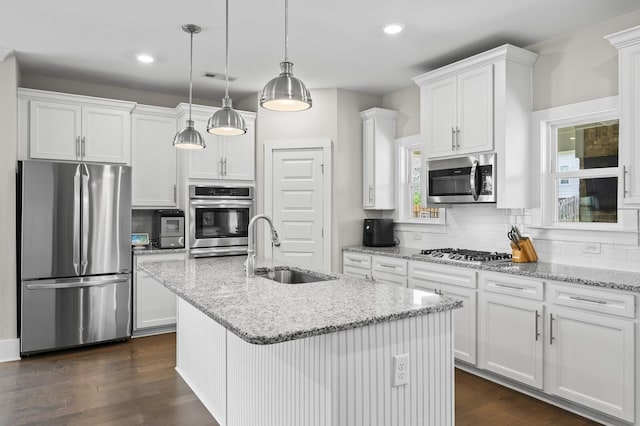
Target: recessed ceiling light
[[392, 29], [144, 58]]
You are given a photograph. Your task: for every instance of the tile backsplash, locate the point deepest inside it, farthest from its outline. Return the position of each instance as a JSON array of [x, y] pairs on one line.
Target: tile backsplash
[[484, 227]]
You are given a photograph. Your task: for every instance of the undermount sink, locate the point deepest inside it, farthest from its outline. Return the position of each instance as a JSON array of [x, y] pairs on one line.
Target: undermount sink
[[293, 276]]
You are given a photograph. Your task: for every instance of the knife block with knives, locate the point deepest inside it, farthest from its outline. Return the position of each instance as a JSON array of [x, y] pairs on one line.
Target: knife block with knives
[[522, 249]]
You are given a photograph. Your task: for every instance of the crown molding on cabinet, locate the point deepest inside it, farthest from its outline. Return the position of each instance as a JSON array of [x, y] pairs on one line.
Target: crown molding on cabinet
[[625, 38], [4, 53]]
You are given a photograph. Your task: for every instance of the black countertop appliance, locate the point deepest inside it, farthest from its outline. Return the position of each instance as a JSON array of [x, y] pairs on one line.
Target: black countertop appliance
[[378, 233]]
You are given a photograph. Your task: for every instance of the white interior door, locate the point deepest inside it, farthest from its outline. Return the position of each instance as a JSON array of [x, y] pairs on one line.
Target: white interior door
[[297, 196]]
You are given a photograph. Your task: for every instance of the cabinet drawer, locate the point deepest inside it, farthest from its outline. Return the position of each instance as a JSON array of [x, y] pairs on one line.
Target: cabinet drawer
[[357, 272], [357, 260], [161, 257], [604, 301], [442, 274], [513, 286], [384, 277], [389, 265]]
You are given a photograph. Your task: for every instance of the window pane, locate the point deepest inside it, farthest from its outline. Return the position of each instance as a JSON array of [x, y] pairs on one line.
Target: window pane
[[588, 146], [416, 166], [418, 212], [588, 200]]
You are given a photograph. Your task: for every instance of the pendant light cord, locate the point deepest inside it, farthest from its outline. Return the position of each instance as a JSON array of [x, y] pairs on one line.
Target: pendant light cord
[[190, 74], [286, 30], [226, 62]]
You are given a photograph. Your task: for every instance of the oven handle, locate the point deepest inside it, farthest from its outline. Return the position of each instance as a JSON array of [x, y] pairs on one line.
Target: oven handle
[[220, 203], [475, 190]]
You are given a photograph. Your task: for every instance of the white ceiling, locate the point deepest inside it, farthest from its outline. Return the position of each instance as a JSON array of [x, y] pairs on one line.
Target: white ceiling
[[332, 43]]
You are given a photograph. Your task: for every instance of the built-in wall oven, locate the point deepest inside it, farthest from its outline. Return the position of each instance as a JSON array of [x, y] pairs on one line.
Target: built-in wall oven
[[219, 220]]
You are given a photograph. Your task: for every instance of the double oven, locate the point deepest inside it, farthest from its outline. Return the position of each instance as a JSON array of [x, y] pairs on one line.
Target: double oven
[[219, 220]]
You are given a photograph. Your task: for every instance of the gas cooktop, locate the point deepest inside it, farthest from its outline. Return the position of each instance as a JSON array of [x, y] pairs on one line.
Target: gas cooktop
[[467, 256]]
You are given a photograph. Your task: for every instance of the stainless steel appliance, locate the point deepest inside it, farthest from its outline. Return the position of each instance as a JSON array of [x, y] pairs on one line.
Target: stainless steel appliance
[[168, 228], [469, 179], [75, 254], [378, 233], [219, 220], [475, 257]]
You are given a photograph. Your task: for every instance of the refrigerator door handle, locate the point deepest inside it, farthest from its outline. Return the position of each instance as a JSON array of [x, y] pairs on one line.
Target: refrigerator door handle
[[74, 283], [85, 218], [76, 220]]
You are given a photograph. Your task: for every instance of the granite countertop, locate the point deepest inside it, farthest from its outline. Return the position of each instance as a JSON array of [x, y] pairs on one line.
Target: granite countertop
[[607, 278], [155, 250], [262, 311]]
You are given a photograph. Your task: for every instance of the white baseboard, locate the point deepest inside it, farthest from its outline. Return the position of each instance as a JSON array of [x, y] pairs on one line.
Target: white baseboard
[[9, 350]]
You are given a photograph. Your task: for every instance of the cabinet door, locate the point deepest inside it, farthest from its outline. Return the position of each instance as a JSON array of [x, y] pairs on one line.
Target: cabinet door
[[510, 342], [205, 163], [368, 162], [629, 63], [238, 155], [475, 111], [465, 341], [106, 135], [439, 119], [387, 278], [54, 130], [155, 304], [154, 161], [591, 361]]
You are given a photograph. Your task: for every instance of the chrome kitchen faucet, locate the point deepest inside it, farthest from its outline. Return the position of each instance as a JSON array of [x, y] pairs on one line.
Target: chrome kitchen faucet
[[251, 250]]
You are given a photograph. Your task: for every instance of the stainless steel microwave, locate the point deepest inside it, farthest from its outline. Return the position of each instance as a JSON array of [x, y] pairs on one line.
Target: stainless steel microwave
[[469, 179]]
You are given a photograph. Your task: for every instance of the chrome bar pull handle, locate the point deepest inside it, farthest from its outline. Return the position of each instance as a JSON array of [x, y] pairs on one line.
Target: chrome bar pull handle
[[84, 140], [77, 146], [453, 138], [537, 329], [225, 166], [175, 194], [588, 300], [457, 138], [551, 338], [625, 172], [370, 193]]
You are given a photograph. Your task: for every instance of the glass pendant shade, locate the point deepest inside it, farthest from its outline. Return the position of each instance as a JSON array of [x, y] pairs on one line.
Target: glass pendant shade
[[189, 138], [227, 121], [285, 92]]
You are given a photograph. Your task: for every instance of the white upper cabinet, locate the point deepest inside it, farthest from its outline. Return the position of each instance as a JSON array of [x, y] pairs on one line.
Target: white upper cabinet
[[458, 113], [154, 165], [628, 44], [225, 157], [480, 104], [57, 126], [378, 179]]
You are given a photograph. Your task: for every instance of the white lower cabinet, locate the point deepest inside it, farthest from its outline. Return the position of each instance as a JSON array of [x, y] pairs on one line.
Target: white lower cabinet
[[591, 356], [154, 306], [459, 283], [511, 343]]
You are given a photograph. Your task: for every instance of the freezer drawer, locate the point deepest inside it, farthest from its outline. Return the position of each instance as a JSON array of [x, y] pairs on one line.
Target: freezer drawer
[[62, 313]]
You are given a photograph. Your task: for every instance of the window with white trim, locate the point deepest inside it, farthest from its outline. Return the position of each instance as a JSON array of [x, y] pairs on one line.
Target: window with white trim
[[410, 185], [580, 174], [584, 171]]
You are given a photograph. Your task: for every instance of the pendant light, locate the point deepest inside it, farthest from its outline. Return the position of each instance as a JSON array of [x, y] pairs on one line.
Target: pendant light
[[227, 121], [189, 137], [285, 92]]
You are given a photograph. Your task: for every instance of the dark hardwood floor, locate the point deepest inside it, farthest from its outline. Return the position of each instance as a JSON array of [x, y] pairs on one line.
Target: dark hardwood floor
[[134, 383]]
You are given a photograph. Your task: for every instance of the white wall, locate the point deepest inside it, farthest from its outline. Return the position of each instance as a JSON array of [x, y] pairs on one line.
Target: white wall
[[574, 67], [407, 102], [8, 123], [112, 92]]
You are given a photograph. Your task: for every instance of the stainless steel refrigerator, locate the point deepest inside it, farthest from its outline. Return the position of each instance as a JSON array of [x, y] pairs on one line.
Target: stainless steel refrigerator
[[75, 254]]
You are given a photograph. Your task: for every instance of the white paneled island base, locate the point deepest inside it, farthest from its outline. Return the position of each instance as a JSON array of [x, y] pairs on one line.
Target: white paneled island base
[[337, 379]]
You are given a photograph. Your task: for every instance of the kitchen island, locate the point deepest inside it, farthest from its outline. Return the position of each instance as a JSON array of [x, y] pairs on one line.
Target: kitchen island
[[256, 351]]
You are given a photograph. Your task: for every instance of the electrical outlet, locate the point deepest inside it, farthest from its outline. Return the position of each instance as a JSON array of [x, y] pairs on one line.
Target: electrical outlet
[[417, 236], [591, 248], [400, 370]]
